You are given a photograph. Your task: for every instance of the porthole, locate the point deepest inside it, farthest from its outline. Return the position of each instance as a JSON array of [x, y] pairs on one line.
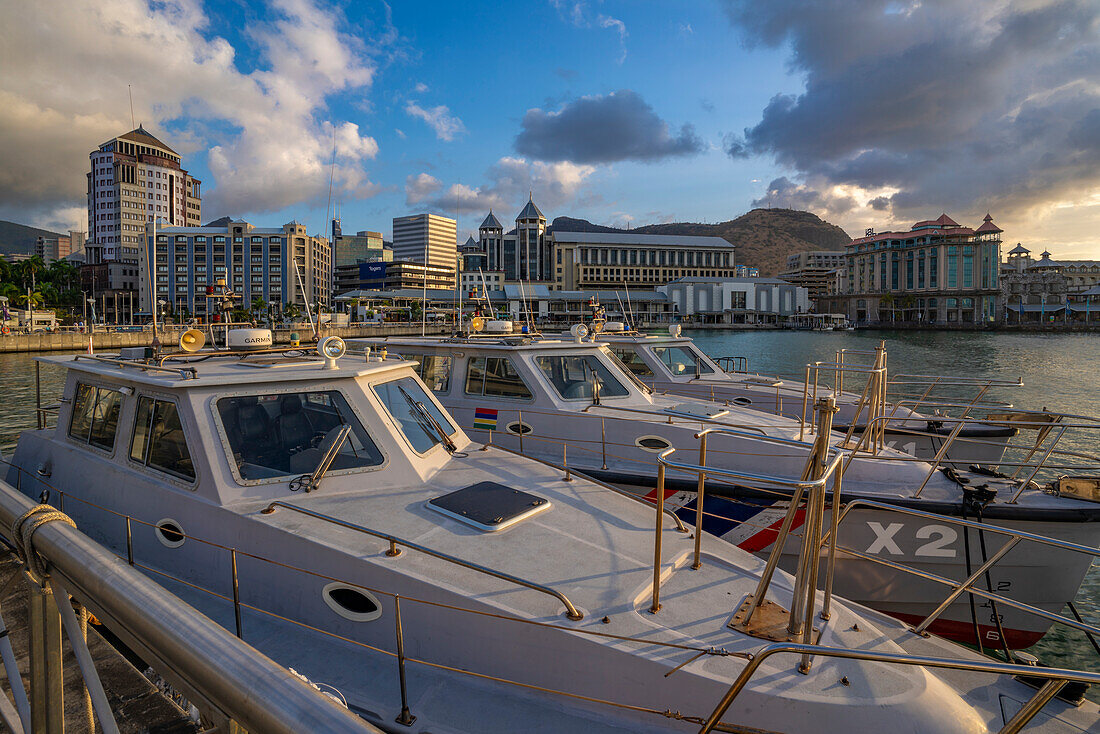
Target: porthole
[[170, 533], [517, 428], [652, 444], [353, 603], [741, 401]]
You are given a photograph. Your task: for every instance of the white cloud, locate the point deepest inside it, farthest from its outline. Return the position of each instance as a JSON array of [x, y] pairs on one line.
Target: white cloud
[[439, 119], [509, 180], [400, 133], [421, 87], [420, 187], [607, 21], [64, 92]]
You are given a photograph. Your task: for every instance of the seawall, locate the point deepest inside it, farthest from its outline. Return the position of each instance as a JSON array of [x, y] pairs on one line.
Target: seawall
[[113, 340]]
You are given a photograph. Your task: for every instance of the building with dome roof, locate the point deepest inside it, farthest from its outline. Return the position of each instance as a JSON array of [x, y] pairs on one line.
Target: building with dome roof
[[939, 272]]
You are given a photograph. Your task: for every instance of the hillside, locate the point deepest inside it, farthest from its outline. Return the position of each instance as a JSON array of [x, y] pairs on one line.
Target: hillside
[[764, 237], [19, 238]]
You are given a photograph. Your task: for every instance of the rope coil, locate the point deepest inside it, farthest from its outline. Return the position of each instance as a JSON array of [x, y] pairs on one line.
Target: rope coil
[[22, 534]]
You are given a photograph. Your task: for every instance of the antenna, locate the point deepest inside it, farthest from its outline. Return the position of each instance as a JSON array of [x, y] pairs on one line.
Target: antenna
[[130, 90], [629, 305], [305, 296]]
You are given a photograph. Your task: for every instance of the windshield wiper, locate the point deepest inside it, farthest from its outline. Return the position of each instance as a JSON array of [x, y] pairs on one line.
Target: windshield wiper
[[428, 422], [311, 481]]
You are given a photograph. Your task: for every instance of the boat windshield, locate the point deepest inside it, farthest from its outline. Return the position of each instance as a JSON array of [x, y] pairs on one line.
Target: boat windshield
[[403, 398], [278, 435], [632, 361], [683, 360], [630, 374], [571, 375]]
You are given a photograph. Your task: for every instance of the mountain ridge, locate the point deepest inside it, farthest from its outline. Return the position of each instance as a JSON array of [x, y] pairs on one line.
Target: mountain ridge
[[18, 239]]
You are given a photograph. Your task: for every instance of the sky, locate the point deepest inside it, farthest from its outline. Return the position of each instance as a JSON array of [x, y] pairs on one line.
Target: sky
[[869, 113]]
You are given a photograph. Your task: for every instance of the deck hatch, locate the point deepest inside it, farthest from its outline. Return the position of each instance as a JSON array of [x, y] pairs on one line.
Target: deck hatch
[[489, 506]]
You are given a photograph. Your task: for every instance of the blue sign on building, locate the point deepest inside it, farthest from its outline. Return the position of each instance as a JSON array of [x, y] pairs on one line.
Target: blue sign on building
[[372, 275]]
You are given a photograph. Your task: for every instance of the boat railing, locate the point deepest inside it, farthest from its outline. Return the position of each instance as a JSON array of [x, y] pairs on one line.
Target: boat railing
[[824, 463], [1055, 678], [733, 364], [185, 373], [401, 630], [227, 679], [958, 588], [570, 610], [1043, 448]]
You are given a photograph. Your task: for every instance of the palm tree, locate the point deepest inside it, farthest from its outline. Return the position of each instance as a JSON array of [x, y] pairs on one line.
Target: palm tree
[[292, 310], [259, 306], [887, 302], [31, 300], [30, 268]]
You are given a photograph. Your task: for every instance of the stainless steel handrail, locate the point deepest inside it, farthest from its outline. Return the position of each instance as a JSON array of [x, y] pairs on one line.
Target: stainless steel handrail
[[1015, 537], [1058, 676], [196, 654], [959, 424], [186, 373], [394, 541]]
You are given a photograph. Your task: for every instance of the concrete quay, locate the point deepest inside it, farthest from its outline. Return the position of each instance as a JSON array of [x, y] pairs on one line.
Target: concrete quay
[[114, 340]]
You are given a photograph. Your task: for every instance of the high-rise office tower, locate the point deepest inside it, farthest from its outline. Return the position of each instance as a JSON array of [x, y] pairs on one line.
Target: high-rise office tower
[[426, 238]]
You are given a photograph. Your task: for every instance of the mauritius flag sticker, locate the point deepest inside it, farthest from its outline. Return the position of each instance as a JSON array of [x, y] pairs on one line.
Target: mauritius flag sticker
[[485, 419]]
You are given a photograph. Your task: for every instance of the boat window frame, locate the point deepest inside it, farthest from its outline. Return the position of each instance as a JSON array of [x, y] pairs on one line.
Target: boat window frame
[[610, 352], [638, 352], [86, 443], [595, 354], [532, 395], [690, 350], [190, 483], [418, 357], [227, 449], [451, 420]]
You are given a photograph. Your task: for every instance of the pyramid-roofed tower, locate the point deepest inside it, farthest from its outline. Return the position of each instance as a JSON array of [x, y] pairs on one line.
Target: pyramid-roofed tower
[[491, 222], [531, 211], [988, 227]]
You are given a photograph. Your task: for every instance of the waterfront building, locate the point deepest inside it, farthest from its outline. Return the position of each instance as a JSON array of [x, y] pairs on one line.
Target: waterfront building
[[351, 252], [60, 247], [404, 274], [816, 271], [524, 253], [1043, 290], [937, 272], [134, 178], [735, 300], [113, 285], [255, 262], [520, 302], [427, 239], [533, 253], [591, 260]]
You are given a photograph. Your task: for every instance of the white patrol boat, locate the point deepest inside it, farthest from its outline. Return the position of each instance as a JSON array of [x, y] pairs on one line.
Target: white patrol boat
[[336, 517], [571, 402], [672, 363]]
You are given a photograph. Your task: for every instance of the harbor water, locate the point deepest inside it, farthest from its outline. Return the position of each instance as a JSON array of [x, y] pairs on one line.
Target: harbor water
[[1059, 372]]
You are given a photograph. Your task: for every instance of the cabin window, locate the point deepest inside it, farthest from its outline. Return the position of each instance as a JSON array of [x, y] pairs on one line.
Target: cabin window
[[681, 361], [95, 416], [572, 376], [285, 434], [632, 361], [495, 377], [435, 371], [358, 605], [402, 398], [158, 439]]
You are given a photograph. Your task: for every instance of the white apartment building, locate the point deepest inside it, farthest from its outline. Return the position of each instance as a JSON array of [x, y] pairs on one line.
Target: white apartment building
[[254, 261], [427, 239], [134, 178]]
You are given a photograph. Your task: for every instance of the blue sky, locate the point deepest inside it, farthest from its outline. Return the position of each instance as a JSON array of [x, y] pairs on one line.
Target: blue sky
[[871, 113]]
